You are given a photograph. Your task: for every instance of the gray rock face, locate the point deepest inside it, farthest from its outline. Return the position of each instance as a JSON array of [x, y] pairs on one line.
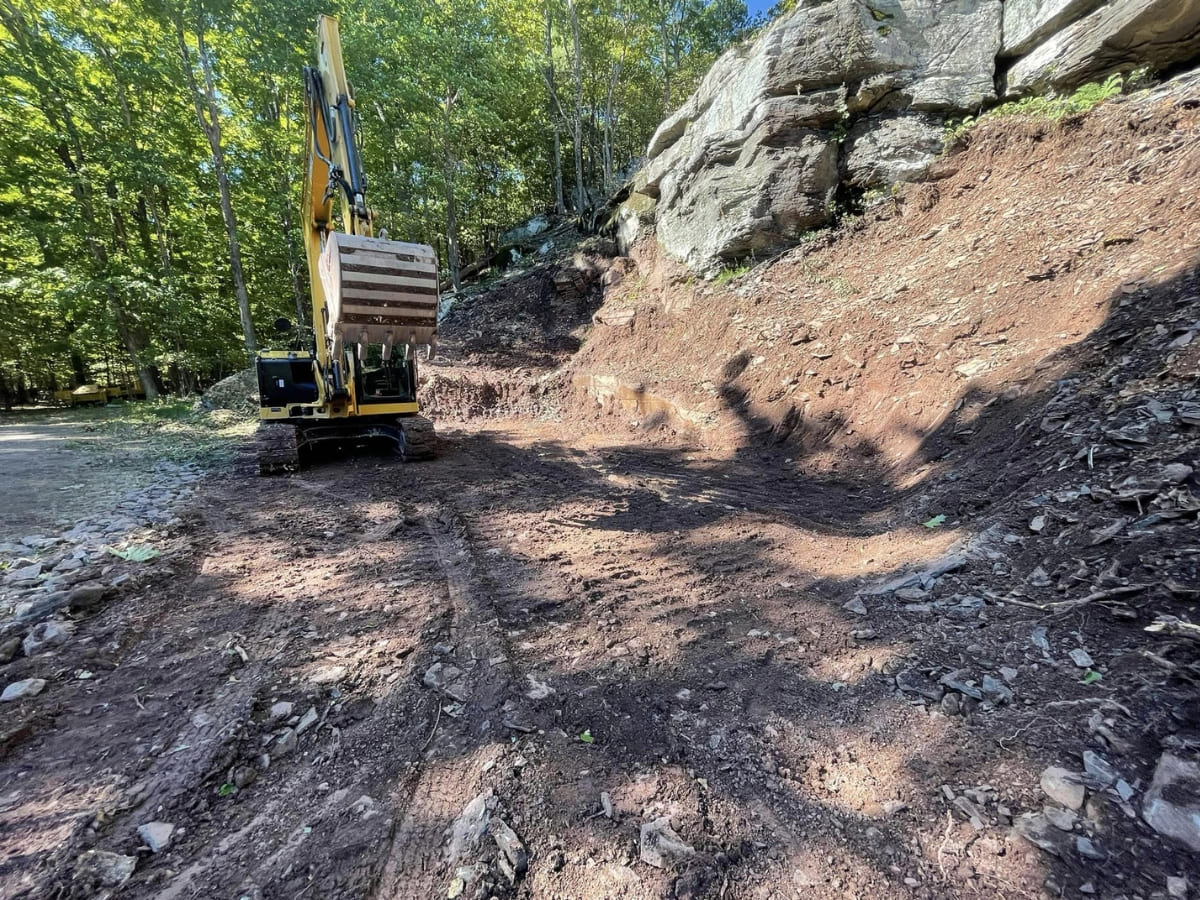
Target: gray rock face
[[750, 161], [1115, 37], [1029, 22], [891, 149]]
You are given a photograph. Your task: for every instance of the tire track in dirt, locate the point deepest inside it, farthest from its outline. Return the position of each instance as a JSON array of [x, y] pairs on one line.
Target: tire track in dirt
[[469, 723]]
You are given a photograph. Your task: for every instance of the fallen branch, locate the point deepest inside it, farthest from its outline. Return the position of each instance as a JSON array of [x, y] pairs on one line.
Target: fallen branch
[[1061, 606], [1173, 626]]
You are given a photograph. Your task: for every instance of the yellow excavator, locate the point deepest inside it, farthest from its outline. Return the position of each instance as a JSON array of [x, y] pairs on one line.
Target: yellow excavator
[[374, 301]]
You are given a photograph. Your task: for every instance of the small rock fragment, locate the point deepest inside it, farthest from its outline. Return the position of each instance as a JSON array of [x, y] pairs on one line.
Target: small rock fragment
[[606, 804], [19, 690], [309, 720], [46, 635], [328, 675], [157, 835], [100, 869], [1088, 849], [856, 606], [1038, 830], [1101, 770], [470, 826], [286, 742], [1081, 658], [1037, 523], [510, 845], [1062, 819], [1062, 787], [891, 807], [1177, 887], [659, 844], [281, 711], [1172, 804]]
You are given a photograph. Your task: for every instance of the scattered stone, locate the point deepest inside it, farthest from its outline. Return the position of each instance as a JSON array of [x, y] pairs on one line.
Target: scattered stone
[[444, 677], [1037, 523], [286, 742], [9, 649], [327, 675], [1062, 819], [1172, 804], [1038, 639], [996, 690], [1039, 577], [470, 826], [97, 869], [1088, 849], [1039, 831], [1101, 770], [281, 711], [244, 776], [606, 804], [1062, 787], [510, 845], [891, 807], [25, 573], [309, 720], [1081, 658], [951, 704], [856, 606], [87, 597], [157, 835], [19, 690], [1177, 887], [659, 844], [1008, 673]]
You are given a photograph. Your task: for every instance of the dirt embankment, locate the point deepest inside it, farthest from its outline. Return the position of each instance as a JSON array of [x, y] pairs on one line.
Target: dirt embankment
[[944, 304]]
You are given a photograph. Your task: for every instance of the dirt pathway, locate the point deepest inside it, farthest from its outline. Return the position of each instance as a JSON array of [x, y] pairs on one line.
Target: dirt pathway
[[583, 639]]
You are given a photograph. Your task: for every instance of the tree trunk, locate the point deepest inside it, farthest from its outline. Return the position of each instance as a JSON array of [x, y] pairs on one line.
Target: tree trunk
[[207, 113], [555, 117], [578, 76], [448, 166]]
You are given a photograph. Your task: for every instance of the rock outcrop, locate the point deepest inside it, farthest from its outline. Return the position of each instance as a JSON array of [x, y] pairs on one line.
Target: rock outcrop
[[1116, 37], [845, 93], [751, 159]]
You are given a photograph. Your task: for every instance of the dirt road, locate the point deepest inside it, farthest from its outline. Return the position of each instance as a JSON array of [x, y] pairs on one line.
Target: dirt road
[[588, 637]]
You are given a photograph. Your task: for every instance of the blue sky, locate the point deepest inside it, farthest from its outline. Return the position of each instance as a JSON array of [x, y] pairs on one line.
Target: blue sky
[[759, 6]]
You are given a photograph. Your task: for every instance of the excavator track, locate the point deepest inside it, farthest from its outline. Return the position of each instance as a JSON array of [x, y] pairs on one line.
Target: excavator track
[[278, 448], [420, 441]]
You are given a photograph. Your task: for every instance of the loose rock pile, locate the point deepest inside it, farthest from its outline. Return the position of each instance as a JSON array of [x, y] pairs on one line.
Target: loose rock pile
[[47, 577]]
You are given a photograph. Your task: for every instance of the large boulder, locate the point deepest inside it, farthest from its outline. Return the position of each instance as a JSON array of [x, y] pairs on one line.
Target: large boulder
[[750, 161], [1115, 37]]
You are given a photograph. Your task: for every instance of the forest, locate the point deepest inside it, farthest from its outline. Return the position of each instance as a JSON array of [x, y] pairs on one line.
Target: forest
[[151, 155]]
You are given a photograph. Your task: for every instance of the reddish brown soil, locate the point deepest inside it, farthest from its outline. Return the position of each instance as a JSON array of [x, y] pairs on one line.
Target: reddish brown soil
[[655, 612]]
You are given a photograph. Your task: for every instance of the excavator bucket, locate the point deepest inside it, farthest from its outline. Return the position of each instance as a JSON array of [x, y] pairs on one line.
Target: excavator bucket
[[379, 291]]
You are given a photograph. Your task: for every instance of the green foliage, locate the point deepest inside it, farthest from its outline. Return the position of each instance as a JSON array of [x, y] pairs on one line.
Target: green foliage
[[730, 273], [1042, 107], [114, 260]]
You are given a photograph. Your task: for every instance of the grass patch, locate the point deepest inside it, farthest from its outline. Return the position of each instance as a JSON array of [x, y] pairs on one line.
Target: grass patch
[[165, 429], [730, 273], [1051, 108]]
